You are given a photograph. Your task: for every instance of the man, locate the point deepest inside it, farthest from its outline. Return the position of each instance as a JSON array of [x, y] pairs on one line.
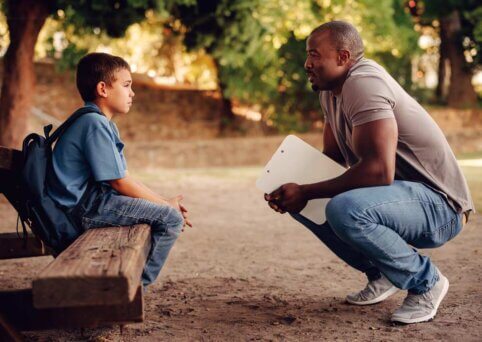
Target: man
[[402, 188]]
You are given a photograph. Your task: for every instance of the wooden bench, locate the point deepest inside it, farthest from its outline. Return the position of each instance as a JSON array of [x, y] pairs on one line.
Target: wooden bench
[[94, 282]]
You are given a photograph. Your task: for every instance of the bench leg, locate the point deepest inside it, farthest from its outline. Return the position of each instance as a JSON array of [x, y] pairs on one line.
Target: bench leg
[[8, 332], [18, 307]]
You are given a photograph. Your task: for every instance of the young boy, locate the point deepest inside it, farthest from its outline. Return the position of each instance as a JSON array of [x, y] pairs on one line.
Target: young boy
[[90, 178]]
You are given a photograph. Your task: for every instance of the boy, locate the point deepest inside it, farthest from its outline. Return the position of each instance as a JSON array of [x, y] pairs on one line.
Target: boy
[[90, 178]]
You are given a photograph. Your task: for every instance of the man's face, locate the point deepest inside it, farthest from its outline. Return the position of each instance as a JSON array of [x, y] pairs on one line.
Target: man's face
[[119, 93], [324, 64]]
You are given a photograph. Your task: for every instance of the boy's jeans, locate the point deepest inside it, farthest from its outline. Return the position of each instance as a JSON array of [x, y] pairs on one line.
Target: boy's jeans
[[373, 229], [105, 207]]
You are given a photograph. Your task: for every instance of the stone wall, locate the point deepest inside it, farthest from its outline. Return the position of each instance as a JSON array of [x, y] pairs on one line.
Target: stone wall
[[158, 113]]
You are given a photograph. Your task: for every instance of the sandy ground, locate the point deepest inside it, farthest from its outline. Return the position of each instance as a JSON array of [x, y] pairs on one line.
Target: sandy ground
[[246, 273]]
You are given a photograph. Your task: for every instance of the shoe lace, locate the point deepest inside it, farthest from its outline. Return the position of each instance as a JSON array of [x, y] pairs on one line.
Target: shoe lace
[[365, 293], [368, 290]]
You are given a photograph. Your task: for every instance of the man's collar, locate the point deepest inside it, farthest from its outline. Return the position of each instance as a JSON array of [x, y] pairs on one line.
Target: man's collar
[[355, 65]]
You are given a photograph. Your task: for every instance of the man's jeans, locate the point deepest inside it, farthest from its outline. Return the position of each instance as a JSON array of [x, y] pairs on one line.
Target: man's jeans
[[373, 229], [105, 207]]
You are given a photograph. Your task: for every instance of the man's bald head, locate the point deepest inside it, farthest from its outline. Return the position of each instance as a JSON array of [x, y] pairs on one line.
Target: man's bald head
[[343, 36]]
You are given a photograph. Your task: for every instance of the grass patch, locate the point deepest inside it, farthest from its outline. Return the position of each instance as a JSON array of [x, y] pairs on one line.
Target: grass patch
[[474, 179], [470, 155]]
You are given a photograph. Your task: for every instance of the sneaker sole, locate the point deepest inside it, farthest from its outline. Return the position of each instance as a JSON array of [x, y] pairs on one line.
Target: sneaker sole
[[431, 315], [379, 299]]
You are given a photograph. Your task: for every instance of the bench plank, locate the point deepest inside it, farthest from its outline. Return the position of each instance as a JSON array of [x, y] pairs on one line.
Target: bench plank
[[22, 316], [12, 246], [102, 267]]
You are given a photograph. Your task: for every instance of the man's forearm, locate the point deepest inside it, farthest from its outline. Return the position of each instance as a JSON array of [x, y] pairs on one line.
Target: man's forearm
[[363, 174]]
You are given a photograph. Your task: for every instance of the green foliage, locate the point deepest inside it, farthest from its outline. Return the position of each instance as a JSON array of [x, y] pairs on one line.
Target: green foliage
[[70, 57], [403, 39], [470, 38], [113, 16], [260, 47]]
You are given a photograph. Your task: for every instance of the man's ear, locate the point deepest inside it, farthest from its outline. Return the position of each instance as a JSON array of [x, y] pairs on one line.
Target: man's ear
[[101, 89], [343, 57]]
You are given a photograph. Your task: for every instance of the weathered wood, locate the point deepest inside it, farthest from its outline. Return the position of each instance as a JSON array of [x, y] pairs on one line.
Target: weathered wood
[[10, 159], [102, 267], [17, 306], [12, 246]]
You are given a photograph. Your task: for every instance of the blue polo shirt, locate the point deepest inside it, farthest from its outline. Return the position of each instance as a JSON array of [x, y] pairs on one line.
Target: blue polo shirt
[[90, 149]]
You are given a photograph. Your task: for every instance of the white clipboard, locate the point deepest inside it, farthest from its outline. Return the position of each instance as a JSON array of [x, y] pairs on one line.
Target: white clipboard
[[295, 161]]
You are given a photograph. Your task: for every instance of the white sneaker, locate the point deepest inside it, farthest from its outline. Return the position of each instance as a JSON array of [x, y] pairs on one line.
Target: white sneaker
[[423, 307], [375, 292]]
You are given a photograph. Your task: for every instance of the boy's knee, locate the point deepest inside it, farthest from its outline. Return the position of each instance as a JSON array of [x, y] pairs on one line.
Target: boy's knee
[[170, 221], [174, 222]]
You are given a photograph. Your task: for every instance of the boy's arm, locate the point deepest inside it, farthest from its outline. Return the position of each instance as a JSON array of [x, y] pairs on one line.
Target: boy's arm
[[128, 186]]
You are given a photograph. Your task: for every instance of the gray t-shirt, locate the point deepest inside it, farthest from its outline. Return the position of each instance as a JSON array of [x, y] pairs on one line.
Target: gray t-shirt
[[423, 154]]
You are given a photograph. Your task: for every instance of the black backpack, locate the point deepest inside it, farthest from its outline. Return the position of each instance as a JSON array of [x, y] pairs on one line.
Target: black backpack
[[49, 223]]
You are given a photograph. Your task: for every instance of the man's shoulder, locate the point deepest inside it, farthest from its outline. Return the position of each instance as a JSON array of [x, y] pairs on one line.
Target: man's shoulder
[[366, 67], [367, 77]]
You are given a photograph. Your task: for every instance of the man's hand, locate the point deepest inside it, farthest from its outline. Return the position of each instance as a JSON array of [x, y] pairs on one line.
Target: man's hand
[[287, 198], [175, 202]]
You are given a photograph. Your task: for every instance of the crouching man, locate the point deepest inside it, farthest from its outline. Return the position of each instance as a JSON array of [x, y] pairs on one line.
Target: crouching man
[[403, 186]]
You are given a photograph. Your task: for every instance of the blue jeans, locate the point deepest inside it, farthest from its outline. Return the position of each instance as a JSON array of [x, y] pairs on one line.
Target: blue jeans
[[373, 230], [107, 208]]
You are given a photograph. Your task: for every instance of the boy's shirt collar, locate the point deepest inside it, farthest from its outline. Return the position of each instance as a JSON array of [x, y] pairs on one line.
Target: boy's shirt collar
[[91, 104], [95, 107]]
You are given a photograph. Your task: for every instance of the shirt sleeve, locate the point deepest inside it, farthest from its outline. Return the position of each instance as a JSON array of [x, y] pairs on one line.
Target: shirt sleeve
[[366, 99], [105, 160]]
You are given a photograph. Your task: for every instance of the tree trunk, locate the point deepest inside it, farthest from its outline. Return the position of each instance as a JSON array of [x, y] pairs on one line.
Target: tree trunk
[[461, 91], [227, 115], [25, 19], [441, 90]]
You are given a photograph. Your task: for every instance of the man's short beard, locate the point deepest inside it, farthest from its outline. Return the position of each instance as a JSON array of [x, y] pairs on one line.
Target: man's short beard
[[315, 88]]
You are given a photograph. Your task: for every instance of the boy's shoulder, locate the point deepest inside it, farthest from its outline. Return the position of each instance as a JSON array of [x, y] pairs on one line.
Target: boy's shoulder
[[92, 121]]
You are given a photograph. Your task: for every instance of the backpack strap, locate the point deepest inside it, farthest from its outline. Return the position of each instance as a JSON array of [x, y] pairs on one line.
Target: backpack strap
[[67, 123]]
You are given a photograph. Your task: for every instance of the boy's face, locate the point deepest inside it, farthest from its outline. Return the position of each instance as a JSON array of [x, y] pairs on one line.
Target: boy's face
[[119, 93]]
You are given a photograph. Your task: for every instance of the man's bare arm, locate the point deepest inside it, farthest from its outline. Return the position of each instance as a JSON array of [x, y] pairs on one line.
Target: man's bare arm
[[375, 145], [330, 146]]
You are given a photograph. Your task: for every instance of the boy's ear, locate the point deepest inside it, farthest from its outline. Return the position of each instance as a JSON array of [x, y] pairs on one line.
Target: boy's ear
[[101, 89]]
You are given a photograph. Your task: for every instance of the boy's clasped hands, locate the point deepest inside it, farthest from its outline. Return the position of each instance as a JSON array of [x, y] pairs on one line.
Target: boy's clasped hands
[[175, 202]]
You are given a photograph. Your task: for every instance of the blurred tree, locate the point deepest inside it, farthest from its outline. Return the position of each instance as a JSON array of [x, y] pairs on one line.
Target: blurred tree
[[259, 48], [25, 19], [460, 29]]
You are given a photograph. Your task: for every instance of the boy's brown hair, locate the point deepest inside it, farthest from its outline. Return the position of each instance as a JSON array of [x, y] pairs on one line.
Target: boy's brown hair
[[94, 68]]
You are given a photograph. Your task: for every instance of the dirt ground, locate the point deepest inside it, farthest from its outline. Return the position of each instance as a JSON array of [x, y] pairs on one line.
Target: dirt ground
[[246, 273]]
